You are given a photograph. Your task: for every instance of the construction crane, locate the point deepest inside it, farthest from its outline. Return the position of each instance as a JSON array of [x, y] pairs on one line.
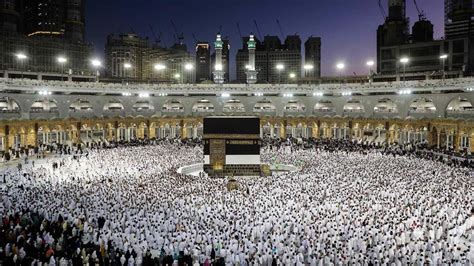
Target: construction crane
[[421, 13], [157, 38], [258, 30], [240, 32], [281, 30], [382, 10], [179, 36]]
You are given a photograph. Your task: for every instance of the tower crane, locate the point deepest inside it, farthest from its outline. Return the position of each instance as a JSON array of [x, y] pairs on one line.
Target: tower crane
[[421, 13], [179, 36], [382, 10], [258, 30], [157, 38], [240, 32], [281, 30]]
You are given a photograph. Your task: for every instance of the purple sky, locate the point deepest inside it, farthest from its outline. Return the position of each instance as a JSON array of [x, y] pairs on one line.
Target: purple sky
[[347, 27]]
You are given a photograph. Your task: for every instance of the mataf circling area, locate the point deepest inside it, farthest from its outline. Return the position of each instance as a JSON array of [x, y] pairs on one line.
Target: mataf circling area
[[129, 205]]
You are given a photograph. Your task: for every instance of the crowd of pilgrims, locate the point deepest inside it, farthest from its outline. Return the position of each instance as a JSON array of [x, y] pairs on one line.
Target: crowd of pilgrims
[[348, 204]]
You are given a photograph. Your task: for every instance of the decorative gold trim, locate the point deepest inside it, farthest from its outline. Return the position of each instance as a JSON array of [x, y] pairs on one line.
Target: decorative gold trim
[[231, 136]]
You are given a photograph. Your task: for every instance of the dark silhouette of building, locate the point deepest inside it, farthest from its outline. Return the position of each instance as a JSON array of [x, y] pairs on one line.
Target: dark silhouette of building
[[270, 53], [10, 16], [459, 18], [125, 49], [313, 58], [435, 58], [44, 30], [62, 18], [203, 62]]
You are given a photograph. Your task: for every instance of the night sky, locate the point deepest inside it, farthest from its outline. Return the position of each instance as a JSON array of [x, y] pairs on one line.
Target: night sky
[[347, 27]]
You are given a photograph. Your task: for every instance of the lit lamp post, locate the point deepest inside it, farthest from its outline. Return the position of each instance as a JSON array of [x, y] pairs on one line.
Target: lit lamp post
[[370, 64], [159, 67], [62, 61], [279, 68], [404, 61], [340, 67], [127, 67], [292, 76], [307, 68], [443, 60], [21, 57], [96, 64], [188, 67], [177, 76]]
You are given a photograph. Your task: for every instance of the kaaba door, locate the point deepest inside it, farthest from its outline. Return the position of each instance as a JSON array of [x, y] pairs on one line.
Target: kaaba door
[[217, 154]]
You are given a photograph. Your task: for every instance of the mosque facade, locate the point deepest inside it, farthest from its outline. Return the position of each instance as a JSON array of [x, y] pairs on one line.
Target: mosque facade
[[438, 112]]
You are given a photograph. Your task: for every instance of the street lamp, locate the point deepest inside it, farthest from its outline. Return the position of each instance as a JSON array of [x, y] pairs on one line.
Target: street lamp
[[177, 76], [159, 67], [127, 67], [340, 66], [292, 76], [279, 68], [443, 60], [21, 57], [370, 64], [189, 68], [404, 61], [62, 61], [307, 68], [96, 64]]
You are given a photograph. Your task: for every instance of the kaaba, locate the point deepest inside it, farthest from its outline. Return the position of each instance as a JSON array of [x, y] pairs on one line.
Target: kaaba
[[232, 146]]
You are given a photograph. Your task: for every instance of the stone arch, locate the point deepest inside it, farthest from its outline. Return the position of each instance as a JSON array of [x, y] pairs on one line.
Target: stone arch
[[233, 106], [81, 105], [324, 106], [203, 106], [460, 105], [264, 106], [114, 105], [422, 105], [9, 105], [173, 106], [44, 106], [386, 105], [354, 106], [294, 106], [143, 106]]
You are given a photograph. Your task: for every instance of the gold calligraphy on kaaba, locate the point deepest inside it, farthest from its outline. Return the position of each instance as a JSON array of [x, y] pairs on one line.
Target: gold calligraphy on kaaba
[[241, 142]]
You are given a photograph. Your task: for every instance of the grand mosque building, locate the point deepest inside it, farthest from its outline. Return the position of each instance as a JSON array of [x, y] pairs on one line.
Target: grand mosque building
[[437, 111]]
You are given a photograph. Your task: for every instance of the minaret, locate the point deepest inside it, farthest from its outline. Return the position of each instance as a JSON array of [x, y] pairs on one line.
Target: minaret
[[218, 67], [251, 73]]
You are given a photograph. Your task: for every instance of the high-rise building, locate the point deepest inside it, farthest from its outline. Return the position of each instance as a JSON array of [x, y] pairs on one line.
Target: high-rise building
[[459, 21], [313, 57], [44, 30], [124, 55], [45, 18], [60, 18], [10, 16], [425, 55], [268, 55], [203, 62], [168, 65], [75, 20]]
